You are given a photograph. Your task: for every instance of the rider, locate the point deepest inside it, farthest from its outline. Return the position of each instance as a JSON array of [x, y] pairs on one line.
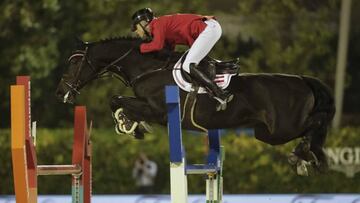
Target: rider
[[200, 33]]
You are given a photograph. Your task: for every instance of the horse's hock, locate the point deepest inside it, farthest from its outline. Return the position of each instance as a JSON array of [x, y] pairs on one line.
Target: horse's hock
[[25, 168]]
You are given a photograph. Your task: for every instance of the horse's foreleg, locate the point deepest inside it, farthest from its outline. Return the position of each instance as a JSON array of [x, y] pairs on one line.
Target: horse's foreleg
[[130, 115], [133, 108]]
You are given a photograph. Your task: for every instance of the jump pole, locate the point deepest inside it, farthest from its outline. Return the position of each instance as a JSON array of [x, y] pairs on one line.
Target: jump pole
[[179, 169], [25, 168]]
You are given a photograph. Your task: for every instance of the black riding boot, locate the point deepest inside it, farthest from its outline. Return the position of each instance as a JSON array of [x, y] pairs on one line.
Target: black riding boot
[[222, 96]]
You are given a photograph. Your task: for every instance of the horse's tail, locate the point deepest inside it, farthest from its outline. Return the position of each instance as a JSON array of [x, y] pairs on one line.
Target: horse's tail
[[324, 99]]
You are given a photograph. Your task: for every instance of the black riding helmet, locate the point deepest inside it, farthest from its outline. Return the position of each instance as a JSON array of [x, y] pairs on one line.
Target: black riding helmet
[[145, 14]]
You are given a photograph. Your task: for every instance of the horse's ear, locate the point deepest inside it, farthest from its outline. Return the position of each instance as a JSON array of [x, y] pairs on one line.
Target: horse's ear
[[79, 42]]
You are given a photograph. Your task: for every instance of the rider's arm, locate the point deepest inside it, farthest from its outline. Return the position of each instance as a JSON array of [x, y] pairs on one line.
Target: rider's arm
[[158, 41]]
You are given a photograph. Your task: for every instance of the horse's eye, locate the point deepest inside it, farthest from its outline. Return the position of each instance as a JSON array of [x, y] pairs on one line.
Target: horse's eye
[[74, 61]]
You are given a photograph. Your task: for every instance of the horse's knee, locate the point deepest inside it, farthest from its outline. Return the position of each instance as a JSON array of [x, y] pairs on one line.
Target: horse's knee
[[115, 102]]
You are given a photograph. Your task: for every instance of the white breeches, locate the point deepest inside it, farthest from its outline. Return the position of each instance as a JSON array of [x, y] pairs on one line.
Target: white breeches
[[203, 44]]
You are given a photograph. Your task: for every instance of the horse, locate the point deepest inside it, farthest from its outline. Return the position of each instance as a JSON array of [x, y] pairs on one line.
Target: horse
[[279, 107]]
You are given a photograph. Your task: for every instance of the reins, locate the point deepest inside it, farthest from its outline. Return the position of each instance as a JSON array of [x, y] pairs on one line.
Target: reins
[[103, 73], [96, 75]]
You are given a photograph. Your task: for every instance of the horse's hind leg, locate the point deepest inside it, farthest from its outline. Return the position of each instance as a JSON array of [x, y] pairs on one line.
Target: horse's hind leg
[[317, 143], [310, 149], [319, 120], [303, 156]]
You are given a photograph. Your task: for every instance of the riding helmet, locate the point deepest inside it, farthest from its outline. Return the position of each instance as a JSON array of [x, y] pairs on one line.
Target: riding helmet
[[145, 14]]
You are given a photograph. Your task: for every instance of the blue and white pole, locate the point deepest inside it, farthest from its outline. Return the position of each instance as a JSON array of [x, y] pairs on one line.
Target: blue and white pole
[[178, 167], [178, 180]]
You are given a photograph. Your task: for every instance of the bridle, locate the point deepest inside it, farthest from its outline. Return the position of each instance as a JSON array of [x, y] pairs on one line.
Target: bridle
[[75, 86]]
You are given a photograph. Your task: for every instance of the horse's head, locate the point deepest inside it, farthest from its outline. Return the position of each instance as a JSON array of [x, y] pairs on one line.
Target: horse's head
[[89, 62], [80, 71]]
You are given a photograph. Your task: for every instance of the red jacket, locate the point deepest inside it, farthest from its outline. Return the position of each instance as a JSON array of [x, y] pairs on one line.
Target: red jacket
[[171, 30]]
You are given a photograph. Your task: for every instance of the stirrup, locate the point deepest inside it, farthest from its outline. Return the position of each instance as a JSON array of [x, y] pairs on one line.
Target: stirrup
[[223, 103]]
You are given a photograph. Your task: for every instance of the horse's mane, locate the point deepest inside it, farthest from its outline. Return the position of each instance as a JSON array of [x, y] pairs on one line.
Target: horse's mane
[[119, 38], [136, 40], [125, 38], [114, 39]]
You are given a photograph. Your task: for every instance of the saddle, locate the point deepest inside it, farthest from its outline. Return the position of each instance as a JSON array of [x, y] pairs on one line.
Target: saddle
[[220, 67], [226, 67], [213, 67]]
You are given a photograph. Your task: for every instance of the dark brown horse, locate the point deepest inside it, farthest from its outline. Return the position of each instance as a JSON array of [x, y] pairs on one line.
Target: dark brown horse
[[279, 107]]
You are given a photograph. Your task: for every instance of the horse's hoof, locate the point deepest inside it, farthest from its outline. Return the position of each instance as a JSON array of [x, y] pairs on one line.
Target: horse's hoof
[[301, 168], [298, 165], [293, 160], [139, 135], [123, 124]]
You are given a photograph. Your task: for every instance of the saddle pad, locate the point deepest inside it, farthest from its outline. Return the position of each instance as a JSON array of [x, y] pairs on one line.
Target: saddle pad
[[222, 80]]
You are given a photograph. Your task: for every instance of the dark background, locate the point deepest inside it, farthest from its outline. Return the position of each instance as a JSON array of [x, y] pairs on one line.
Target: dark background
[[285, 36]]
